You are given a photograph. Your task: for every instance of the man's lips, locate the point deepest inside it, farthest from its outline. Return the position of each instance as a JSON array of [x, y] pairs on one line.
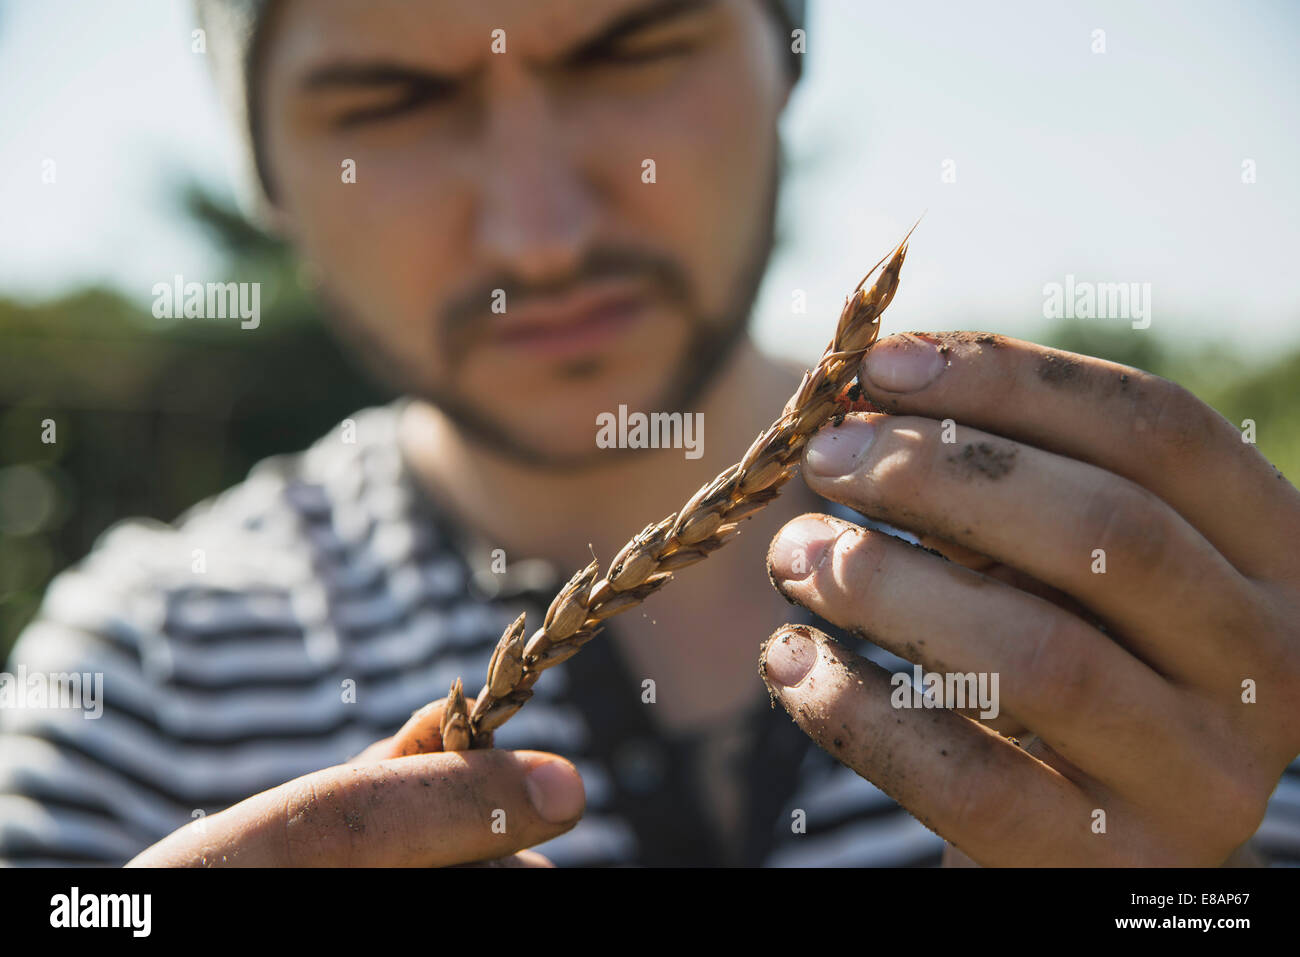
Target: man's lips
[[569, 326]]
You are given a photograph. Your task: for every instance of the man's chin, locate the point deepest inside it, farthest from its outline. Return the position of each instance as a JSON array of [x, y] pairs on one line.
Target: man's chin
[[547, 455], [547, 438], [567, 427]]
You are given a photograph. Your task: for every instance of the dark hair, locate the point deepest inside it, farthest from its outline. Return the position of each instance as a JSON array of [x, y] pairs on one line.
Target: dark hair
[[789, 14]]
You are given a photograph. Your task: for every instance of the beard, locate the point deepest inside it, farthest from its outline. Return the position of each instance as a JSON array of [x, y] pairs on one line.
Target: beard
[[711, 340]]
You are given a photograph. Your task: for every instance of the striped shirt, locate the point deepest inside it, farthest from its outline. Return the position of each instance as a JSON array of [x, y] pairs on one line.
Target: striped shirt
[[284, 625]]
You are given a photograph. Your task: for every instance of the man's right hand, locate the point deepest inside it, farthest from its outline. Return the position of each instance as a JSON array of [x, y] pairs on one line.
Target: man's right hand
[[400, 803]]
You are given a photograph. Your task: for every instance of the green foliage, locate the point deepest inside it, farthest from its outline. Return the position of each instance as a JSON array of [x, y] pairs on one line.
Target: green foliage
[[152, 415], [1263, 392]]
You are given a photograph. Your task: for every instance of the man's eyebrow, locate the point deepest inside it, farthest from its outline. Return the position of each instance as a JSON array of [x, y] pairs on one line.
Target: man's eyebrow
[[381, 73], [371, 73], [636, 19]]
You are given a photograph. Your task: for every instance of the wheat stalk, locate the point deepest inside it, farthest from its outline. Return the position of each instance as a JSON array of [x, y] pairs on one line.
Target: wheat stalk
[[703, 525]]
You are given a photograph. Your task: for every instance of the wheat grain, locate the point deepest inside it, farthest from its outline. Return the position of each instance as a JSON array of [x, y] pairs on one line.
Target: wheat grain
[[703, 525]]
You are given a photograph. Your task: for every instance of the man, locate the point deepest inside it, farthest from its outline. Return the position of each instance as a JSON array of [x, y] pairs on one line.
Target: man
[[605, 171]]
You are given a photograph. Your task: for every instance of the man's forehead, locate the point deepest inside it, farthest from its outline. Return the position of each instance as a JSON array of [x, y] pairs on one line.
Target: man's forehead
[[453, 35]]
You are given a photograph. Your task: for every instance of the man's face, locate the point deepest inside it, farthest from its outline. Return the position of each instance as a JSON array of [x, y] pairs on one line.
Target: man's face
[[518, 180]]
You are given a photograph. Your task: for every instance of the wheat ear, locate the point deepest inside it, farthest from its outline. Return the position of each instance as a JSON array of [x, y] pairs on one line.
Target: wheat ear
[[703, 525]]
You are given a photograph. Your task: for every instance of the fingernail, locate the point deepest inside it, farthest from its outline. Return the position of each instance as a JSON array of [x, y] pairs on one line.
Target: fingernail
[[903, 364], [799, 548], [837, 451], [556, 791], [789, 658]]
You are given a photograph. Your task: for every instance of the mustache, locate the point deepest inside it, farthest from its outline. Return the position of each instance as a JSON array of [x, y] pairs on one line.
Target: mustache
[[463, 317]]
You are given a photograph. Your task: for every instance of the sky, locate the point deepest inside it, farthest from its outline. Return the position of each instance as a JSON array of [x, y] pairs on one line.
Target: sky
[[1032, 156]]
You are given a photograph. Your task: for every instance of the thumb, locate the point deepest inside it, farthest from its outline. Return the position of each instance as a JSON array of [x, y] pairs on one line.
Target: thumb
[[422, 734]]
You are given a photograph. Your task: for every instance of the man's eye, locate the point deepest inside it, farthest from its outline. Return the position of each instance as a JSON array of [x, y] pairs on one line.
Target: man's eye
[[407, 102], [644, 53]]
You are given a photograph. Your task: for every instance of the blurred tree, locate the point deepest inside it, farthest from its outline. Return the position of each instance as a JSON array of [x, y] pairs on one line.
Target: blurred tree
[[152, 416], [1264, 393]]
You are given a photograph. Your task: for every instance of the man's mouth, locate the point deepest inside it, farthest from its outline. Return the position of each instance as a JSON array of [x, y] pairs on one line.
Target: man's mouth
[[578, 324]]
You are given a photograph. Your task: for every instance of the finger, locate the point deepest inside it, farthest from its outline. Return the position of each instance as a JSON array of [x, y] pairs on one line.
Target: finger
[[430, 810], [952, 857], [1006, 651], [972, 787], [1129, 422], [1112, 545], [976, 561], [1004, 724], [966, 557], [529, 859], [421, 734], [376, 752], [522, 859]]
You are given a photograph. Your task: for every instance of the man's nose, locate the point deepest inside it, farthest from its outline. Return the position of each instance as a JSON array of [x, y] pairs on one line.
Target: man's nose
[[536, 212]]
